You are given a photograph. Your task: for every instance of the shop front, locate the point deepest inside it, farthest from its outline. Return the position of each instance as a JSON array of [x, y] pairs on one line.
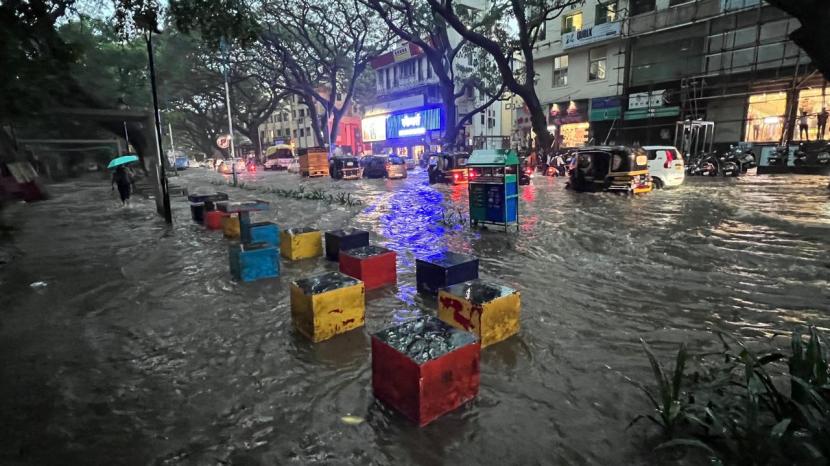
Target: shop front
[[651, 117], [604, 117], [568, 122], [410, 134]]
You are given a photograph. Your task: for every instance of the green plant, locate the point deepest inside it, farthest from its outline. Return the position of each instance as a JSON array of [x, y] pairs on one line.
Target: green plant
[[668, 403], [808, 363]]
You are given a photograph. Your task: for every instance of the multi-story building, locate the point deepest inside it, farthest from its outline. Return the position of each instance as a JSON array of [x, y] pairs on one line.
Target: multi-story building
[[580, 61], [291, 125], [408, 115], [629, 70]]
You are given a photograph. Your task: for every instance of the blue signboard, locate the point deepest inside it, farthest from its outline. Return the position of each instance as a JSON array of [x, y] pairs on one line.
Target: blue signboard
[[402, 125]]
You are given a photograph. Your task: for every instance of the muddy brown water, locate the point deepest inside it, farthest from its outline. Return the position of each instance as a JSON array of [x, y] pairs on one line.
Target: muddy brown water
[[141, 349]]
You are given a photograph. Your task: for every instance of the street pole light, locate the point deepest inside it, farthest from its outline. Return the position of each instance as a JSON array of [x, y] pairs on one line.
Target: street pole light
[[165, 193], [225, 47]]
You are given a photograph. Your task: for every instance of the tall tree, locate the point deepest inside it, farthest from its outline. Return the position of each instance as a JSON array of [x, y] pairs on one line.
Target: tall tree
[[415, 22], [814, 16], [322, 47], [508, 31]]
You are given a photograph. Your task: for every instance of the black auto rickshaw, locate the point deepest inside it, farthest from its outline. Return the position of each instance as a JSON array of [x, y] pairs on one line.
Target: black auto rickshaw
[[345, 167], [448, 168], [610, 168]]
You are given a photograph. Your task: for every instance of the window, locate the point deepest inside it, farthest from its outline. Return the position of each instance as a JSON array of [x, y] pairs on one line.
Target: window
[[560, 71], [572, 22], [606, 12], [293, 114], [639, 7], [339, 97], [678, 2], [386, 72], [765, 117], [302, 132], [543, 31], [407, 70], [302, 113], [429, 71], [482, 118], [597, 63]]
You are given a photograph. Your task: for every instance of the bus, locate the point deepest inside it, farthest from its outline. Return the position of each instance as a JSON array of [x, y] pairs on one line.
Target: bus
[[278, 157]]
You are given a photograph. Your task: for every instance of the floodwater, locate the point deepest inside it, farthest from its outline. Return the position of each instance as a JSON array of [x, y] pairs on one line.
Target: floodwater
[[141, 349]]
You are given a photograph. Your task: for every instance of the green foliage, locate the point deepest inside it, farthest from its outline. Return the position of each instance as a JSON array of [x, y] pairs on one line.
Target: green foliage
[[668, 403], [737, 410]]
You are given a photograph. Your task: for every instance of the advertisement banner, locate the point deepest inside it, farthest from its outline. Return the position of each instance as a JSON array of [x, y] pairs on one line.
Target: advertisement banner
[[414, 101], [373, 128], [401, 125], [591, 35]]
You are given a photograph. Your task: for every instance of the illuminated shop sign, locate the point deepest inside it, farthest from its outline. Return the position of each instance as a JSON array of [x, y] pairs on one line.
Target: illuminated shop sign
[[417, 123]]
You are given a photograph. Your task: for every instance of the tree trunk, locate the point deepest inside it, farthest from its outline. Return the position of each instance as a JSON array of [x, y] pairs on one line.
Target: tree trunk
[[450, 140]]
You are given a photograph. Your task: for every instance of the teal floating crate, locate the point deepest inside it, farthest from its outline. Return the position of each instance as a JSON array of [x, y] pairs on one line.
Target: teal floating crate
[[265, 232], [254, 261]]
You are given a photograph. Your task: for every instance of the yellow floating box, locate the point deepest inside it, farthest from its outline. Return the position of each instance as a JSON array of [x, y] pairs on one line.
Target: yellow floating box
[[489, 310], [230, 226], [327, 305], [301, 243]]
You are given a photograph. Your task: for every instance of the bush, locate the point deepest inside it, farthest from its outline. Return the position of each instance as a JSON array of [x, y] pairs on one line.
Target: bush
[[743, 407]]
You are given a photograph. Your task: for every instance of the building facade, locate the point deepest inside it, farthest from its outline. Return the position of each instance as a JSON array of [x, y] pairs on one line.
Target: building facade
[[291, 125], [629, 71]]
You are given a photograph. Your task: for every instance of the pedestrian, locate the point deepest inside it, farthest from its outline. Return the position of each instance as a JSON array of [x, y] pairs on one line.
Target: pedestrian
[[822, 122], [122, 179], [804, 127]]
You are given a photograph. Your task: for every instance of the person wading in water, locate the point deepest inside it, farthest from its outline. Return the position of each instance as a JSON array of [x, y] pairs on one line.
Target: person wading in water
[[122, 179]]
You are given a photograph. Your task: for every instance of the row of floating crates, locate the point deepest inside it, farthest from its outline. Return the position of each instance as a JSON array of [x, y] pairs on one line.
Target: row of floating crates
[[424, 367]]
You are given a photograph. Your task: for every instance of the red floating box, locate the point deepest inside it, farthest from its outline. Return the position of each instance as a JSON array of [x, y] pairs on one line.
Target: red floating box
[[425, 368], [213, 219], [374, 265]]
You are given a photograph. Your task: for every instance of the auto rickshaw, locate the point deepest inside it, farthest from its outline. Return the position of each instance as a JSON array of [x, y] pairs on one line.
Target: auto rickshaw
[[448, 168], [607, 168], [345, 167]]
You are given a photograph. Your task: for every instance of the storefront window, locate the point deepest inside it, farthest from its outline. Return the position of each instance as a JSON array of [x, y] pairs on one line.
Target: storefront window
[[417, 152], [765, 117], [813, 102], [574, 134], [403, 151]]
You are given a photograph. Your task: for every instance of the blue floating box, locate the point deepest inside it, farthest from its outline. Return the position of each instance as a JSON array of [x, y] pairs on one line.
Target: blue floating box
[[342, 240], [197, 212], [265, 232], [254, 261], [447, 269]]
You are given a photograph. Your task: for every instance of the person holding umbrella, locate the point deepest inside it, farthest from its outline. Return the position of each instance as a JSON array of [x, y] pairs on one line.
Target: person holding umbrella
[[121, 177]]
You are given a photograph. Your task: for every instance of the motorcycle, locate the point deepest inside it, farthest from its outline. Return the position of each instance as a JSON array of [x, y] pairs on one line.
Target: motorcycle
[[778, 157], [707, 165]]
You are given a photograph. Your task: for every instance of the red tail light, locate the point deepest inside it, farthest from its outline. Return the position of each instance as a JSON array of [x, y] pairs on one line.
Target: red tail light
[[669, 159]]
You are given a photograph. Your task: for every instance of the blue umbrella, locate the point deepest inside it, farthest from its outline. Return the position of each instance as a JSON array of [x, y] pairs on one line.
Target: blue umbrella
[[123, 160]]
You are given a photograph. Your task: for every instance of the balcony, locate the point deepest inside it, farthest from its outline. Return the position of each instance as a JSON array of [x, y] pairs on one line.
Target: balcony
[[673, 16]]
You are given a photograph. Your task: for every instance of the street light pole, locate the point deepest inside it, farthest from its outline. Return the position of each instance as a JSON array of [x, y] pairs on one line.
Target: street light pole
[[165, 193], [226, 50]]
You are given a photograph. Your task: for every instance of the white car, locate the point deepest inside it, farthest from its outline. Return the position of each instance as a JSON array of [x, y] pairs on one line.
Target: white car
[[665, 165]]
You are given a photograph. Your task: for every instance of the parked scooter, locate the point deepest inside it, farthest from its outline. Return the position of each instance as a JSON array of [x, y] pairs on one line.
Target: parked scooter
[[707, 165], [779, 157]]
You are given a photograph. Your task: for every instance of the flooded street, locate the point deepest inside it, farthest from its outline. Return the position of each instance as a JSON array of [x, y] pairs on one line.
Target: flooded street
[[139, 348]]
